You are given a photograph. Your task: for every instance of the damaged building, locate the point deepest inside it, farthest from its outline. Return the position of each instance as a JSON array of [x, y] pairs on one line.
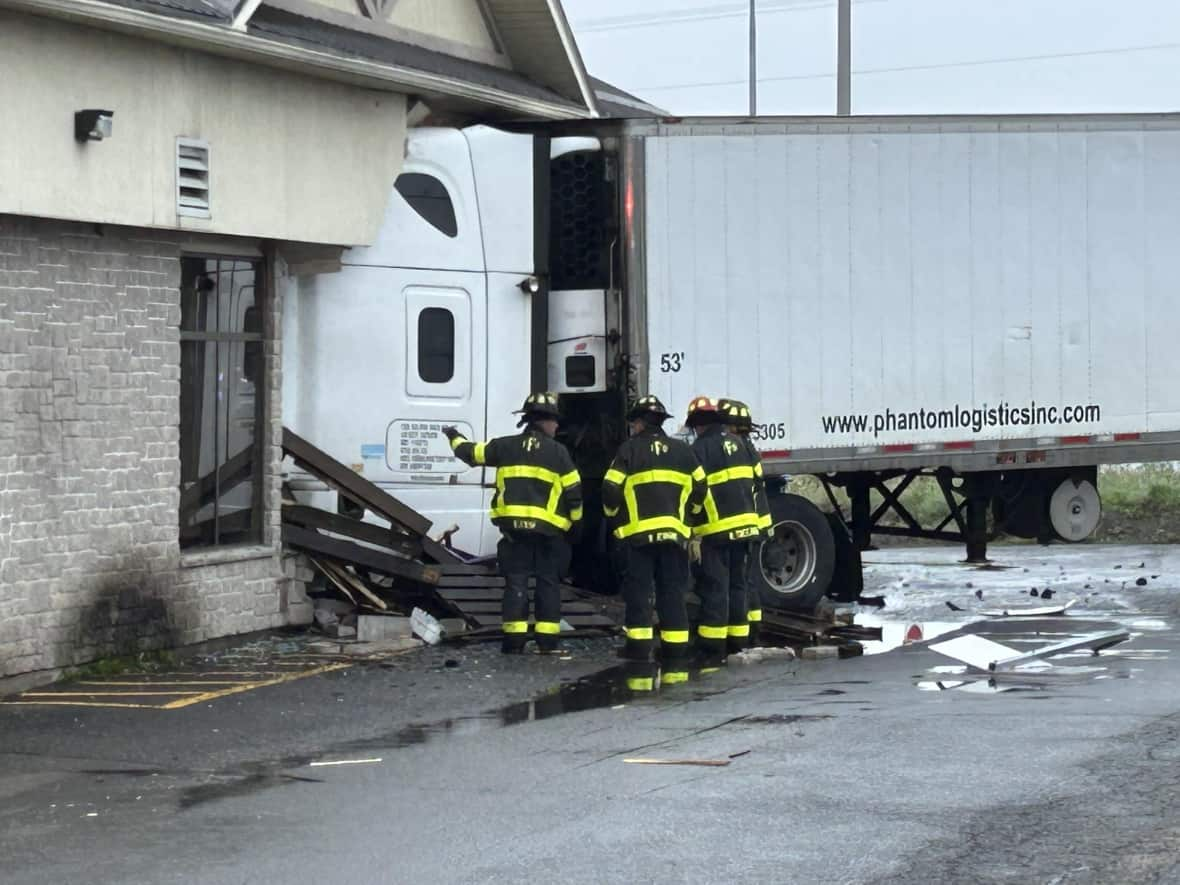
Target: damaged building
[[166, 168]]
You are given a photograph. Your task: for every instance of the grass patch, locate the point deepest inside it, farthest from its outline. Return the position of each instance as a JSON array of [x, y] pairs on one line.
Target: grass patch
[[1140, 490], [145, 662]]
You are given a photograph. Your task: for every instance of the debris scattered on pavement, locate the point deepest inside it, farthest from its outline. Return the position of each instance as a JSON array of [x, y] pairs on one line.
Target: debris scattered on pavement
[[425, 626], [982, 653], [1141, 582], [1029, 611], [398, 567], [758, 655], [710, 763]]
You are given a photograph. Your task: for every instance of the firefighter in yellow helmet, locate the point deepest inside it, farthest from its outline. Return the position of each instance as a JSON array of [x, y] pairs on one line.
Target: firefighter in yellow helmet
[[649, 495], [538, 509], [726, 528], [740, 424]]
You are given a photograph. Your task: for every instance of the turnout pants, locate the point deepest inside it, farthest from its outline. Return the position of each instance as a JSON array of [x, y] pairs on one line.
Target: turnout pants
[[753, 594], [524, 555], [664, 567], [722, 590]]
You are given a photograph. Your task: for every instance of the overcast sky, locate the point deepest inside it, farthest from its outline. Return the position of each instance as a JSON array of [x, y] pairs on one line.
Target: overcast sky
[[908, 56]]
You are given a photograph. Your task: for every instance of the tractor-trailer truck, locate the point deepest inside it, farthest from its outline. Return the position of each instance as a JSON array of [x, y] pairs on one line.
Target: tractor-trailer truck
[[993, 302]]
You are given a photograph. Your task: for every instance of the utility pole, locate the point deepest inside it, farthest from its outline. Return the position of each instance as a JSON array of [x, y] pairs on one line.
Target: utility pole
[[843, 57], [753, 58]]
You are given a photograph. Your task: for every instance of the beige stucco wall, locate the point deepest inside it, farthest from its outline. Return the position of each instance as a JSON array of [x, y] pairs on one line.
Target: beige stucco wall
[[292, 158], [457, 20]]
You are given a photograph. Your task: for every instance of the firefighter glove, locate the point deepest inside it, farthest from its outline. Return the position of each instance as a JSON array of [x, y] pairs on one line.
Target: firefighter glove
[[451, 433]]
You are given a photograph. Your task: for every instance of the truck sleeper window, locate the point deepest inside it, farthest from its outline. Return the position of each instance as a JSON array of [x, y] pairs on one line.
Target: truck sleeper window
[[436, 345], [429, 198]]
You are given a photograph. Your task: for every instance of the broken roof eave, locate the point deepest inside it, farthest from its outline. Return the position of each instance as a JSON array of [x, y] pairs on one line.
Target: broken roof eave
[[228, 41]]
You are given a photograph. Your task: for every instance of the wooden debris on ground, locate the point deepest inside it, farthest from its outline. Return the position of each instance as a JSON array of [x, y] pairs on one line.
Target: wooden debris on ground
[[399, 566]]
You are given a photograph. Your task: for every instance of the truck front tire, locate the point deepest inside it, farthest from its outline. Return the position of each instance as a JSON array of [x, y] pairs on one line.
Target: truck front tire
[[794, 567]]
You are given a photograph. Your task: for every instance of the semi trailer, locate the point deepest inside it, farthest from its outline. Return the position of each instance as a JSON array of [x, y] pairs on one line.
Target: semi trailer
[[990, 303]]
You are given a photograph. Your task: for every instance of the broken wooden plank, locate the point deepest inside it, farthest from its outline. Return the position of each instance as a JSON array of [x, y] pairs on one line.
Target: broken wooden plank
[[314, 518], [485, 594], [440, 553], [353, 582], [355, 554], [222, 478], [331, 576], [474, 569], [494, 606], [341, 478]]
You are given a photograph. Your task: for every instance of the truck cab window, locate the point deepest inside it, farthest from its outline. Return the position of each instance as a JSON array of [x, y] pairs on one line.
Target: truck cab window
[[436, 345], [429, 198]]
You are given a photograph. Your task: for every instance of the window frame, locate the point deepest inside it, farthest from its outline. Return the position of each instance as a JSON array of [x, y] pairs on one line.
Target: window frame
[[254, 535]]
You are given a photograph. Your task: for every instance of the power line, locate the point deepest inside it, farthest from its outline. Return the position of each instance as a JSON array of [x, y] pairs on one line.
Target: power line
[[703, 13], [932, 67]]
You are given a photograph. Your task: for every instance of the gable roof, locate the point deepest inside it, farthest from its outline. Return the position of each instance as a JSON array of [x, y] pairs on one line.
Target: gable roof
[[547, 79]]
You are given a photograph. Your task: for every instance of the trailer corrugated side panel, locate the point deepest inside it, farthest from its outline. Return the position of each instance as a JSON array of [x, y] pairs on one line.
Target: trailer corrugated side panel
[[839, 281]]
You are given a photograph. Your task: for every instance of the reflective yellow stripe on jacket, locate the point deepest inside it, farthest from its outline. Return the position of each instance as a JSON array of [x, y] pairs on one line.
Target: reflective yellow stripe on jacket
[[655, 523], [714, 524], [548, 513]]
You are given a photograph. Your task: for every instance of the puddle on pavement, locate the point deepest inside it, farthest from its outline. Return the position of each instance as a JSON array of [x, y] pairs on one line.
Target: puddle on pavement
[[608, 688]]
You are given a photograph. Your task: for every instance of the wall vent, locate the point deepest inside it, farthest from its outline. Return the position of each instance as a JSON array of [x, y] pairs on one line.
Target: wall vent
[[192, 178]]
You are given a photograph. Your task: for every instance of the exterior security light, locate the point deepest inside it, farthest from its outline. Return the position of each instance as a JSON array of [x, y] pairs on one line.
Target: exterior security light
[[93, 125], [530, 285]]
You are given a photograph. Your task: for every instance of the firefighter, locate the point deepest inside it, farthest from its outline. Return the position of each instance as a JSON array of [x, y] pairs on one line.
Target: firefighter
[[649, 494], [740, 424], [728, 525], [538, 509]]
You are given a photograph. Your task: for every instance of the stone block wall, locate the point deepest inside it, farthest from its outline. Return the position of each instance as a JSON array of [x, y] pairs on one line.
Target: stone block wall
[[90, 563]]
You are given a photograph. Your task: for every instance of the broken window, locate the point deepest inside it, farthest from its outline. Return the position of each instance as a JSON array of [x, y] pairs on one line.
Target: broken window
[[220, 397]]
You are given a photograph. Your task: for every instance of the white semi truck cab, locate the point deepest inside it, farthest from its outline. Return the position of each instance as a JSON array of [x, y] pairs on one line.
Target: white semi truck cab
[[986, 301]]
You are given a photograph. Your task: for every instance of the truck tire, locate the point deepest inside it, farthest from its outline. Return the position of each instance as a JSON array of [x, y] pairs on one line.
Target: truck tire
[[794, 567]]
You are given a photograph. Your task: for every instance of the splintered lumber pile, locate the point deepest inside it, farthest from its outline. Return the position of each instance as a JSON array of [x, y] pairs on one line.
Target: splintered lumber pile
[[399, 566], [802, 630]]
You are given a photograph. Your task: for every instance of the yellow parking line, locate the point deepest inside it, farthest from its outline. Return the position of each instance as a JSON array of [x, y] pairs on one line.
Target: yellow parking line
[[103, 694], [220, 673], [237, 689], [169, 682], [180, 698], [75, 704]]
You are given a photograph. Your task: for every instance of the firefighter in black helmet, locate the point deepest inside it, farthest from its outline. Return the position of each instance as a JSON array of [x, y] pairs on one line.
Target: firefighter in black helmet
[[649, 494], [729, 523], [537, 507], [740, 424]]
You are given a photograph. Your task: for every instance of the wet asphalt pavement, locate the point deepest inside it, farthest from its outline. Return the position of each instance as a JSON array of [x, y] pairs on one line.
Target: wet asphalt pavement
[[901, 766]]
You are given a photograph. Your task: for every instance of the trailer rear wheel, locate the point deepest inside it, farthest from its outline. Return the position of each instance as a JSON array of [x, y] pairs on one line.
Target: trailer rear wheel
[[795, 565], [1075, 508]]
